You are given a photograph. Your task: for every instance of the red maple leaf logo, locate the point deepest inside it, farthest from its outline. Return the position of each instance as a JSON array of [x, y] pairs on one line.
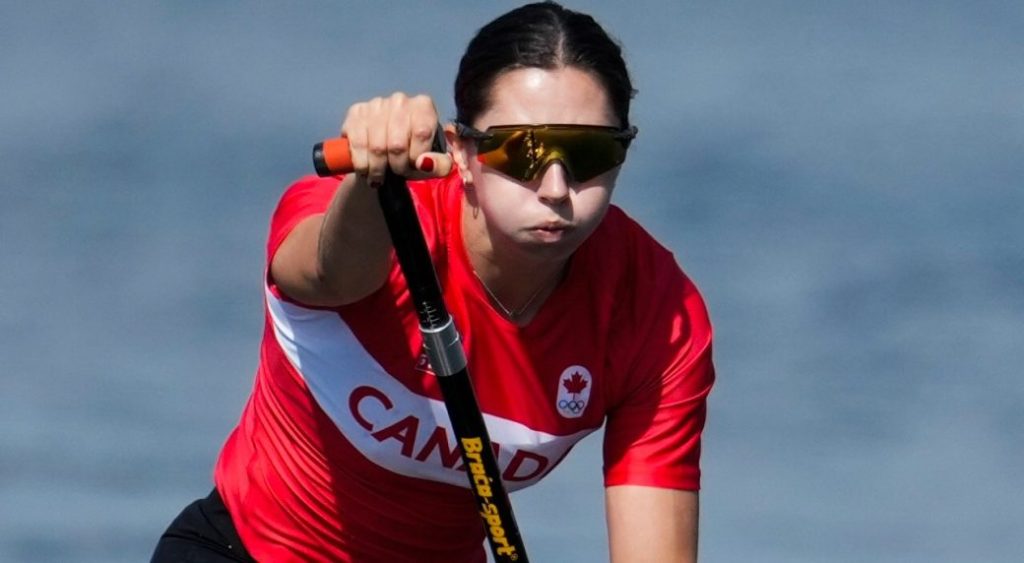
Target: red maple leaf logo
[[575, 384]]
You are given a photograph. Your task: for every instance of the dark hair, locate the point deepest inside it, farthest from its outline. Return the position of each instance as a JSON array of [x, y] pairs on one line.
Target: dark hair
[[542, 35]]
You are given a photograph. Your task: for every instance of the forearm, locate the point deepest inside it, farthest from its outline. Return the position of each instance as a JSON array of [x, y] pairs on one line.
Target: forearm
[[648, 524]]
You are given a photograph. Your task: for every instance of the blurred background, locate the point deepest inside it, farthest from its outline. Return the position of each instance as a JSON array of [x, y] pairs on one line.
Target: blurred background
[[843, 180]]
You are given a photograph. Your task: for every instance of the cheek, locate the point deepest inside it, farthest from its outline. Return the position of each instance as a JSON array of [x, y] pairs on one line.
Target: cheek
[[593, 203], [499, 196], [495, 194], [597, 195]]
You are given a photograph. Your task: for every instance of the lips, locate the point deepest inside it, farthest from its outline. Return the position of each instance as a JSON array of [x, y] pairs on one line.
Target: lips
[[552, 227], [551, 232]]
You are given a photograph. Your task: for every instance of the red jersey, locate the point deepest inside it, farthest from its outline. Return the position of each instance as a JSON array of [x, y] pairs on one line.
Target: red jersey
[[344, 451]]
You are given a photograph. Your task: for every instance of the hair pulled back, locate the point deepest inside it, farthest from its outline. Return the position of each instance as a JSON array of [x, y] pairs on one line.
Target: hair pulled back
[[542, 35]]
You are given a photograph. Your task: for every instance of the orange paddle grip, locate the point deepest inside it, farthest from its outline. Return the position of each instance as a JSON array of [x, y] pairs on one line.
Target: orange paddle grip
[[331, 157]]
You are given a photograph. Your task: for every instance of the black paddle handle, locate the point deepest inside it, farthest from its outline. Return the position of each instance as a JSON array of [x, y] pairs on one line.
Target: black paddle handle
[[447, 358]]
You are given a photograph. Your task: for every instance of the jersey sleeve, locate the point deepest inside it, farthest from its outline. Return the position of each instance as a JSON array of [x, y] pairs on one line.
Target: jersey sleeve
[[654, 426], [306, 197], [312, 195]]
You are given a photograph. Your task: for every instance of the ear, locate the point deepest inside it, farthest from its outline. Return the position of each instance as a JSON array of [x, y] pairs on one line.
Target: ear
[[461, 152]]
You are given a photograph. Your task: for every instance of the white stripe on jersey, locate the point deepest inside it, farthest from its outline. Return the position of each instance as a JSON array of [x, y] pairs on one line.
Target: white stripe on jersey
[[392, 426]]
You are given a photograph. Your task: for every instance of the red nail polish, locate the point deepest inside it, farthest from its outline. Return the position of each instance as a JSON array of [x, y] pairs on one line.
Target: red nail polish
[[427, 164]]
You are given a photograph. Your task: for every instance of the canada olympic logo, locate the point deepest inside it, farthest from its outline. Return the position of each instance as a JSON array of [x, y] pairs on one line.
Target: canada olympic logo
[[573, 391]]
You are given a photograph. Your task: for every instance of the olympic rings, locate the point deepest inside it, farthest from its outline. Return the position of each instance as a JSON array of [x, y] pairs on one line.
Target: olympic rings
[[573, 406]]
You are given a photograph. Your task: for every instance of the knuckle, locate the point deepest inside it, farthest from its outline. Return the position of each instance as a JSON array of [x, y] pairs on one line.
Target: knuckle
[[397, 101], [425, 104], [356, 109], [396, 147], [353, 118], [423, 132]]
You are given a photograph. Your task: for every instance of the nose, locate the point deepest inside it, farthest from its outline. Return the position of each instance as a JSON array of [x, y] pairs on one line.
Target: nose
[[554, 183]]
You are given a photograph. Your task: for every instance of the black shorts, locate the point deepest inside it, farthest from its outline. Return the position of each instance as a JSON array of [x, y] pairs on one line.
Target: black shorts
[[202, 533]]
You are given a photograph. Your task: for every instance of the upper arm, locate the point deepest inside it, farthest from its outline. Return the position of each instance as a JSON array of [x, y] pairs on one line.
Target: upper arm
[[293, 267], [650, 524], [658, 408], [328, 245]]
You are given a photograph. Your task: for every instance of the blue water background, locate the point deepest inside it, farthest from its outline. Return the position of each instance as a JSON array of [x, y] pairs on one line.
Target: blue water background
[[842, 179]]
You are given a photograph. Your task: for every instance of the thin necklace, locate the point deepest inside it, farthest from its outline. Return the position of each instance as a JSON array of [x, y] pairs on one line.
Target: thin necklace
[[510, 313]]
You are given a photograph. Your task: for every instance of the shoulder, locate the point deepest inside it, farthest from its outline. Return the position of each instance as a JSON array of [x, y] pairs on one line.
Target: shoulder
[[618, 231], [627, 256], [309, 188], [656, 307], [304, 197]]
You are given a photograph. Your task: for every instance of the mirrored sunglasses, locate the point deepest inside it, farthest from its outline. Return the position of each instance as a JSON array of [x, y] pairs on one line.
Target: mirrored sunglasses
[[524, 151]]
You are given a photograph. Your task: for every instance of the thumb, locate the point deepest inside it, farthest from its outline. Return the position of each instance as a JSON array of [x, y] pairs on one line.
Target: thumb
[[434, 164]]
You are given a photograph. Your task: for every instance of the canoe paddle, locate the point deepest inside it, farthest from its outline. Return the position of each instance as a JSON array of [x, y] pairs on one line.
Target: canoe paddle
[[444, 348]]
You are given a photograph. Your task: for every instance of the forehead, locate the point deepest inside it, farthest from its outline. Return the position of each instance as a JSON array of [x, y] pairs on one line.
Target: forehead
[[537, 95]]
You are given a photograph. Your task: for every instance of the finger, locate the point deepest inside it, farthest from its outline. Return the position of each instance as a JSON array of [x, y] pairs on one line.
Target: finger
[[398, 134], [377, 141], [422, 125], [354, 129]]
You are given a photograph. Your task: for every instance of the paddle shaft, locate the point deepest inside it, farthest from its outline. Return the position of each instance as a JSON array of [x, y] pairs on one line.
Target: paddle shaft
[[447, 359]]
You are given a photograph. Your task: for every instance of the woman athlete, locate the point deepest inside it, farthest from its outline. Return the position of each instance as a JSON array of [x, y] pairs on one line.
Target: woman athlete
[[571, 315]]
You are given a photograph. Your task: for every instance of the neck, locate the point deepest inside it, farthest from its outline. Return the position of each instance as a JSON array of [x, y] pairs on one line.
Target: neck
[[516, 282], [519, 297]]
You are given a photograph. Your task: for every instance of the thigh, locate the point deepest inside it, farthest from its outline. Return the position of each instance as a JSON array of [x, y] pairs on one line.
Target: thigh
[[202, 533]]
